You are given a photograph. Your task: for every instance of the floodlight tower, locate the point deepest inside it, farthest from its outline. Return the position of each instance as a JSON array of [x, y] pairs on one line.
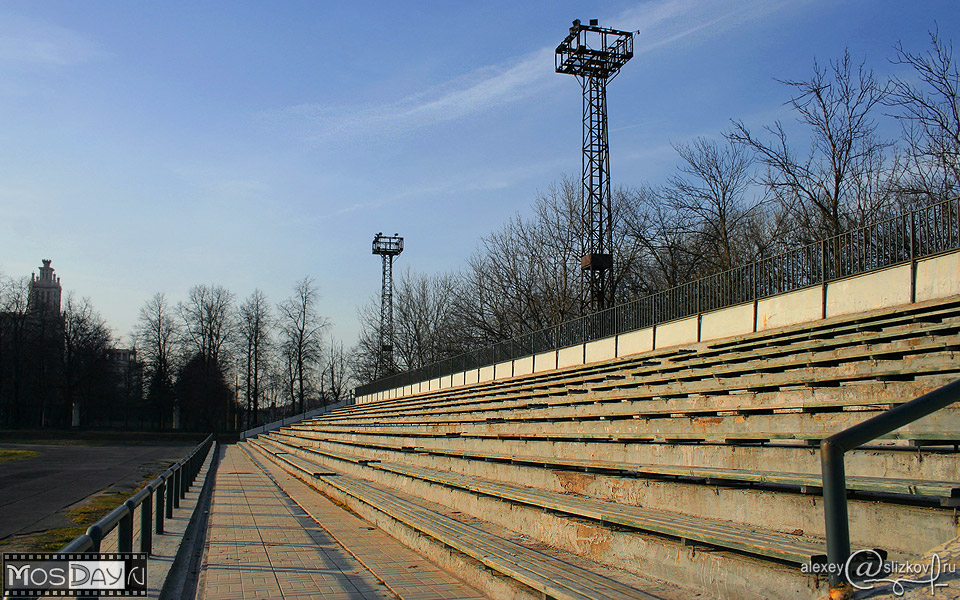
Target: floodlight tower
[[595, 55], [387, 247]]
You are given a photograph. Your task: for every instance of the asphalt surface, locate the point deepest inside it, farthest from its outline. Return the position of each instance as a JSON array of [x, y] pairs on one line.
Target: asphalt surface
[[35, 491]]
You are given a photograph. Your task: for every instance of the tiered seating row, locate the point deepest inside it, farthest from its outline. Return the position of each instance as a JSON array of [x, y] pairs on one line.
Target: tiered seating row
[[947, 493], [899, 322], [542, 572]]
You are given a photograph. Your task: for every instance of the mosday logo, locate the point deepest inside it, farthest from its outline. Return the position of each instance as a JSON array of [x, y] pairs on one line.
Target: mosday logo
[[122, 574]]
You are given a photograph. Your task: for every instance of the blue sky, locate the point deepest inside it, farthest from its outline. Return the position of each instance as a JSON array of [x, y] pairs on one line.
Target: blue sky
[[151, 146]]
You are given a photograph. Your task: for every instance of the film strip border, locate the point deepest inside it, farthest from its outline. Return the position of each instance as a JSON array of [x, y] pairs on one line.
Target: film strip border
[[74, 593], [74, 555]]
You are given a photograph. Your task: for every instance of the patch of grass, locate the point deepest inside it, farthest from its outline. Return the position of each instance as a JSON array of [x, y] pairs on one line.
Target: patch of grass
[[83, 516], [8, 455]]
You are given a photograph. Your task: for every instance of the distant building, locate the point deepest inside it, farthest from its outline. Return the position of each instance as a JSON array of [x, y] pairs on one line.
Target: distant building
[[45, 291]]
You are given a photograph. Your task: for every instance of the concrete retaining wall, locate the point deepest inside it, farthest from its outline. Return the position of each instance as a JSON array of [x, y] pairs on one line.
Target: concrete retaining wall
[[927, 279]]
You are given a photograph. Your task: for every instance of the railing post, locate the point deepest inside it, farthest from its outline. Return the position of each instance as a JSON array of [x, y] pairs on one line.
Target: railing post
[[125, 529], [95, 534], [178, 486], [146, 524], [161, 491], [170, 494], [835, 511], [823, 279], [913, 257]]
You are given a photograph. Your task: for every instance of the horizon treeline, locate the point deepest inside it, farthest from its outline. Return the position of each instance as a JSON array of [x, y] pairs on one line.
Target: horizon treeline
[[745, 194], [208, 363], [218, 362]]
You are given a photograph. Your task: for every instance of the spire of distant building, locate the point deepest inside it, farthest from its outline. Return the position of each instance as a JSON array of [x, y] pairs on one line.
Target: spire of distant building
[[45, 290]]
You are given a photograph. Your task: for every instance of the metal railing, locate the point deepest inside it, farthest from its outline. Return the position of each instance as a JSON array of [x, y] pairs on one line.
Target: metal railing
[[166, 490], [255, 431], [832, 451], [899, 240]]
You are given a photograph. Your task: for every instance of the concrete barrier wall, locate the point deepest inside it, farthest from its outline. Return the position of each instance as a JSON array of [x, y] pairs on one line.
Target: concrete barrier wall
[[486, 373], [523, 366], [927, 279], [600, 350], [938, 277], [635, 342], [890, 287], [790, 308], [546, 361], [735, 320], [569, 357], [674, 333]]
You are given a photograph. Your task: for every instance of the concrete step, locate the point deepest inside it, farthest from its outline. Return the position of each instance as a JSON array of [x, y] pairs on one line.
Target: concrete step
[[649, 554], [792, 506], [537, 571], [744, 378], [898, 461]]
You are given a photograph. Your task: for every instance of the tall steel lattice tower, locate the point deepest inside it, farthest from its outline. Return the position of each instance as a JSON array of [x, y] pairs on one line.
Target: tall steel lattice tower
[[387, 247], [595, 55]]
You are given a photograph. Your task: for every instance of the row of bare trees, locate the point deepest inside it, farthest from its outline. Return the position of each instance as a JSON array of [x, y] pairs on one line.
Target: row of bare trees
[[748, 193], [212, 362]]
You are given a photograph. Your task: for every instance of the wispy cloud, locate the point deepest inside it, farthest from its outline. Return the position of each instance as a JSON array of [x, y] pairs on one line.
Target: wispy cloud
[[478, 180], [670, 22], [483, 89], [30, 43], [662, 23]]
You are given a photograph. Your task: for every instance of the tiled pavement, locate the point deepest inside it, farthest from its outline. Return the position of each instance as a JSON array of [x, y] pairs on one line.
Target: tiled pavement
[[262, 542]]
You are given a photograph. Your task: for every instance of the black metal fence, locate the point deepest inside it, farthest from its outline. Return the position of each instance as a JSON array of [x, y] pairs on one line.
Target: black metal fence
[[902, 239]]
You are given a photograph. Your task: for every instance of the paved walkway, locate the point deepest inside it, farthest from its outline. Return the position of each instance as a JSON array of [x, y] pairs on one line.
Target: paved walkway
[[264, 541]]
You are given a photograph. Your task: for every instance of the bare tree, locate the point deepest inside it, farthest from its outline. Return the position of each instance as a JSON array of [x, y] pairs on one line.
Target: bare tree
[[301, 328], [709, 194], [424, 318], [255, 327], [157, 334], [202, 384], [208, 322], [930, 114], [526, 276], [665, 236], [335, 378], [364, 355], [822, 187]]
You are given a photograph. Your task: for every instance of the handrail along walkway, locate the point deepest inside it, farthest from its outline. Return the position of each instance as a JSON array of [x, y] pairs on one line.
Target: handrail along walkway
[[832, 452], [169, 488]]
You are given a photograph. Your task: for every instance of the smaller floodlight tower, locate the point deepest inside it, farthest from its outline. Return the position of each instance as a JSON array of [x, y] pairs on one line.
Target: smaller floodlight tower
[[595, 55], [387, 247]]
